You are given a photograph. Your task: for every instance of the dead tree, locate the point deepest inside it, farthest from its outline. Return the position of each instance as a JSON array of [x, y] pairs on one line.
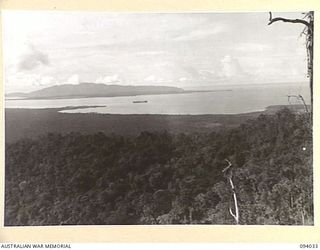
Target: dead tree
[[227, 171], [308, 32], [300, 98]]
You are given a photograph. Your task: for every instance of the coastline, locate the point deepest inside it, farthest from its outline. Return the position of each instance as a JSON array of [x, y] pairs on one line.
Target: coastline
[[110, 96], [30, 123]]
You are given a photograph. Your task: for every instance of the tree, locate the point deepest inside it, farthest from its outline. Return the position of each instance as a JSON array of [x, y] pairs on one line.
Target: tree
[[228, 174], [308, 32]]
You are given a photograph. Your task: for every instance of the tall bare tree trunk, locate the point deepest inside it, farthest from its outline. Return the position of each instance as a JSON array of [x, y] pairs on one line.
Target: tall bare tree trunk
[[302, 218], [309, 33], [236, 214], [310, 49], [228, 174]]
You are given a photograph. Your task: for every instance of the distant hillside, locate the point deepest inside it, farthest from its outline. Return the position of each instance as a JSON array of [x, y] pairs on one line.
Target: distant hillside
[[95, 90]]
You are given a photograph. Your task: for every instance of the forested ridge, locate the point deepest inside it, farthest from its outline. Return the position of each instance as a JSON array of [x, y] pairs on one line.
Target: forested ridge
[[164, 178]]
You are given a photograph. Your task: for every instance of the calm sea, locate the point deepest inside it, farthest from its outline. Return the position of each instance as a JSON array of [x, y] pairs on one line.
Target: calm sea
[[239, 99]]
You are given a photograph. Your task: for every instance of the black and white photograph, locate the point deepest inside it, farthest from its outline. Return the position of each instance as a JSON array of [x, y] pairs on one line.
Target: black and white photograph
[[158, 118]]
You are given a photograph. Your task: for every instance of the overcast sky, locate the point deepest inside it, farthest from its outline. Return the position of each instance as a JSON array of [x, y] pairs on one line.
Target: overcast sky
[[45, 48]]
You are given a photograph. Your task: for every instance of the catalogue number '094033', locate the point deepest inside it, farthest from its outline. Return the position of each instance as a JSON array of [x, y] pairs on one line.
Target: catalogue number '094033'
[[303, 246]]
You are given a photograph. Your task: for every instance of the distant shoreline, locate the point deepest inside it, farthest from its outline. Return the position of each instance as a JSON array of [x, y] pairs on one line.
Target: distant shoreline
[[30, 123], [268, 109], [110, 96]]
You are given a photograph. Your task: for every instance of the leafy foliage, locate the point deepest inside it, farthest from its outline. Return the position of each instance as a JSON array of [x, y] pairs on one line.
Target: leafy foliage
[[162, 178]]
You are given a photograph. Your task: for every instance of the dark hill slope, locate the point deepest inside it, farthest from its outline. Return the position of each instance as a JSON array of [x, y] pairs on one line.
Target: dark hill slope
[[161, 178]]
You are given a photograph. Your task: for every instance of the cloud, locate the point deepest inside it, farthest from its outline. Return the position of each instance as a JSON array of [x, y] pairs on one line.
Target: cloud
[[232, 71], [149, 53], [252, 47], [231, 67], [74, 79], [165, 64], [191, 71], [154, 79], [146, 47], [183, 79], [32, 59], [207, 74], [108, 79], [198, 34], [26, 82], [151, 78], [48, 81]]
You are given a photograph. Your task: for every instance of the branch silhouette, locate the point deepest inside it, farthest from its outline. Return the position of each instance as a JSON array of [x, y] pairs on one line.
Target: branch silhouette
[[286, 20]]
